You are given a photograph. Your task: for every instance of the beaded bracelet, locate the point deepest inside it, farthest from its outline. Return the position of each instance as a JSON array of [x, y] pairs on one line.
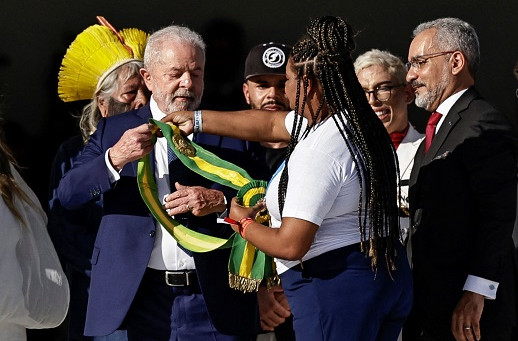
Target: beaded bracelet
[[198, 122], [243, 224]]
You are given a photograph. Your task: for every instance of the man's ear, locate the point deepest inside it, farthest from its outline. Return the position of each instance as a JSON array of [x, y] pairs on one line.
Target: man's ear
[[103, 106], [458, 62], [246, 92], [146, 76]]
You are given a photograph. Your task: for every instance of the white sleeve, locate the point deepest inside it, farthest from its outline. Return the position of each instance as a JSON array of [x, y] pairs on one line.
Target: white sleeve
[[482, 286], [36, 292], [288, 121], [112, 173], [314, 183]]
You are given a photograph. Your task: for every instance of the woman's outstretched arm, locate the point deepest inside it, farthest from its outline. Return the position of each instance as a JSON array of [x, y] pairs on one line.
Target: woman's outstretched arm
[[251, 125]]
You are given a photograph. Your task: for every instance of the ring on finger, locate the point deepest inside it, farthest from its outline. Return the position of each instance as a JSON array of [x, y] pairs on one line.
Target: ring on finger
[[467, 328], [188, 207]]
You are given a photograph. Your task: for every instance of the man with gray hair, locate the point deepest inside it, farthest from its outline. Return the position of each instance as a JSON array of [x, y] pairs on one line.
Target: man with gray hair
[[462, 195], [141, 278], [382, 77]]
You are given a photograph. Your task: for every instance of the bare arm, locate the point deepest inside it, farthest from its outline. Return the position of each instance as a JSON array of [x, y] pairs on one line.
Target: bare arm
[[251, 125], [290, 242]]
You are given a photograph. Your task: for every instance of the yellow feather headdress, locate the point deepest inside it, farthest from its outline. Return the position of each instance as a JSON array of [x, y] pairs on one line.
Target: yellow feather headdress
[[95, 53]]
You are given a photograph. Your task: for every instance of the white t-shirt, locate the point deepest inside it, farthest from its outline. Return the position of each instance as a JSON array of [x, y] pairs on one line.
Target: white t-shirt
[[323, 188]]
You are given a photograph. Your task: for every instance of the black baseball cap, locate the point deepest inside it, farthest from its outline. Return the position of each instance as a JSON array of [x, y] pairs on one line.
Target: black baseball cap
[[267, 59]]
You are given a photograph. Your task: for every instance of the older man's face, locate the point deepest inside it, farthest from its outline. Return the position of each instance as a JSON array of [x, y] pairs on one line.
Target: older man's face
[[432, 78], [130, 94], [176, 80]]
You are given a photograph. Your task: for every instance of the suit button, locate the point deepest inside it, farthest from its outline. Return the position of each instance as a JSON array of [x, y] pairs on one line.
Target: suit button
[[151, 234]]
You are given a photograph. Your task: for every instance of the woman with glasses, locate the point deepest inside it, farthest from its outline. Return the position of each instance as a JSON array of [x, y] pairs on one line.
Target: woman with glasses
[[382, 77], [334, 229]]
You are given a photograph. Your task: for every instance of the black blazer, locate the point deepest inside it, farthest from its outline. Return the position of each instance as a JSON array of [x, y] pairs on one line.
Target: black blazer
[[463, 206]]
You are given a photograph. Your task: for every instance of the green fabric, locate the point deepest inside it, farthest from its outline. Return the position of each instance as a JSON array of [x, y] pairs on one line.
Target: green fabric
[[248, 266]]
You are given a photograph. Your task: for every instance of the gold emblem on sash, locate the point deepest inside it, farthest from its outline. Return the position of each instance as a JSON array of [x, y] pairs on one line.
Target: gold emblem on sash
[[183, 145]]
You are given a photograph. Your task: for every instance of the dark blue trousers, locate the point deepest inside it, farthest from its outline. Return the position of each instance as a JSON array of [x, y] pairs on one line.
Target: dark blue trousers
[[338, 296], [163, 313]]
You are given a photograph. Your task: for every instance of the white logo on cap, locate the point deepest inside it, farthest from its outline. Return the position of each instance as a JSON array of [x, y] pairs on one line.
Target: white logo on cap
[[273, 57]]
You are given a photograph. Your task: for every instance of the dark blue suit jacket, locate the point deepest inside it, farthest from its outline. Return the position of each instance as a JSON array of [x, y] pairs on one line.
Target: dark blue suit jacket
[[73, 233], [127, 230]]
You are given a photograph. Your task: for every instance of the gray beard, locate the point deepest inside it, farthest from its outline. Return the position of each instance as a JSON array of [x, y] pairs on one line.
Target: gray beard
[[182, 106], [172, 106], [431, 96]]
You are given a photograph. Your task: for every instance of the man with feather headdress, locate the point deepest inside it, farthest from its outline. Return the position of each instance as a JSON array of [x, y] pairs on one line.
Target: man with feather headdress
[[101, 65]]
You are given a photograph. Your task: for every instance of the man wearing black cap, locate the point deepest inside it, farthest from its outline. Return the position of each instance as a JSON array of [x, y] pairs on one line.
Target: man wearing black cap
[[265, 76]]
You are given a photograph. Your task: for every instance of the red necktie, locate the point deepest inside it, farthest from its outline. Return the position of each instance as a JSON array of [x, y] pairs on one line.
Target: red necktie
[[430, 130]]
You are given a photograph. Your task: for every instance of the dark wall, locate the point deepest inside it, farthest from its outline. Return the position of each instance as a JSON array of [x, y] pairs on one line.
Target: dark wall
[[34, 36]]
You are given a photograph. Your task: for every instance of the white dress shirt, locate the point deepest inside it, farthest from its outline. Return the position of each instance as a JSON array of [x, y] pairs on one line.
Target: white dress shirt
[[166, 254]]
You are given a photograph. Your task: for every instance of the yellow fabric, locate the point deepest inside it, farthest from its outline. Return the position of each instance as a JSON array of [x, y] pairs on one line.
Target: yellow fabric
[[95, 51], [245, 270], [232, 176]]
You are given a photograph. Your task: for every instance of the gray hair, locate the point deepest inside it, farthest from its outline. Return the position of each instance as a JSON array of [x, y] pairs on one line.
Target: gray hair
[[386, 60], [91, 115], [453, 34], [177, 33]]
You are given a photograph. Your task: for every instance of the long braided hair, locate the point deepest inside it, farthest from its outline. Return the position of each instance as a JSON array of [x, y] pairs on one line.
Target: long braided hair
[[323, 55]]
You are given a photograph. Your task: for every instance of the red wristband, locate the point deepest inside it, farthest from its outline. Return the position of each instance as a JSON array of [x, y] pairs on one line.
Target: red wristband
[[243, 224]]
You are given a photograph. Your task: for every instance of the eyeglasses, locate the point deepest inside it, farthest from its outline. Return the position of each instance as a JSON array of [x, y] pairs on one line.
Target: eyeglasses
[[418, 61], [382, 93]]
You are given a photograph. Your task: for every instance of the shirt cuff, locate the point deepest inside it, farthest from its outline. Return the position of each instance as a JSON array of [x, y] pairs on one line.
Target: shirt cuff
[[224, 214], [112, 173], [481, 286]]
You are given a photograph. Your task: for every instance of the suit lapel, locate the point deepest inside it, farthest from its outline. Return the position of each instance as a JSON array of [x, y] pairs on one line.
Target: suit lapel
[[451, 119]]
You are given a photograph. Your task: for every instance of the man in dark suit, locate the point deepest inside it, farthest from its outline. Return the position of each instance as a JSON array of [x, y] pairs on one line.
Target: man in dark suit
[[141, 278], [462, 196]]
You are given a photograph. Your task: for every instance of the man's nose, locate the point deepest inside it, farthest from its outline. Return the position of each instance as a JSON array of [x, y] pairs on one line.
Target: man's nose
[[186, 81], [411, 75], [274, 92], [140, 100], [371, 98]]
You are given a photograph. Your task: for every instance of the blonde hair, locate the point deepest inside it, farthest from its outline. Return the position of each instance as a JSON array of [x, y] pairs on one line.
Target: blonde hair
[[386, 60]]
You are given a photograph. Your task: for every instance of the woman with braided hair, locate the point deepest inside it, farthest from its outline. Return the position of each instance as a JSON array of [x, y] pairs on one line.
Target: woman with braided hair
[[334, 221]]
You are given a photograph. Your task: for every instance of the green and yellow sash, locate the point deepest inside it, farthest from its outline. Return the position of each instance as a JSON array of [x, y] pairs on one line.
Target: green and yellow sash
[[247, 265]]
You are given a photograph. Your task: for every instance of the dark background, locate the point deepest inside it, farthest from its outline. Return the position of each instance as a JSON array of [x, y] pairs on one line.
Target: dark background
[[34, 36]]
